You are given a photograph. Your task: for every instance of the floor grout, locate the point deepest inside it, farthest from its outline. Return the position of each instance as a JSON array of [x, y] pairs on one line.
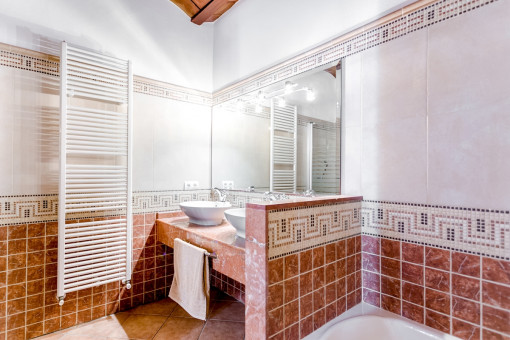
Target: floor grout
[[125, 316]]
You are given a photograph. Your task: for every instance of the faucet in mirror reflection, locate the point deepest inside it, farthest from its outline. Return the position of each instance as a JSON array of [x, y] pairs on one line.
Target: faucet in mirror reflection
[[222, 194]]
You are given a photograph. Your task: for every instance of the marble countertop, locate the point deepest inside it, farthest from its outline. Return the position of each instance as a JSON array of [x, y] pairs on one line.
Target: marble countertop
[[221, 239]]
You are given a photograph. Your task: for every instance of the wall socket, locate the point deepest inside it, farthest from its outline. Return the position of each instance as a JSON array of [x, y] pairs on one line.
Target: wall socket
[[190, 185], [227, 185]]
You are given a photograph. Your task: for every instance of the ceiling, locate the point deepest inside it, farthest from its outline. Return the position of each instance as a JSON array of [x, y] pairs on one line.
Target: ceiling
[[201, 11]]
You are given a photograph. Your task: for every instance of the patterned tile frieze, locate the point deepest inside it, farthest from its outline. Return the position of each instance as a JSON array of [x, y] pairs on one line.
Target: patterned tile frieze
[[477, 231], [28, 208], [164, 90], [24, 59], [160, 201], [401, 25], [296, 229], [44, 208], [343, 46]]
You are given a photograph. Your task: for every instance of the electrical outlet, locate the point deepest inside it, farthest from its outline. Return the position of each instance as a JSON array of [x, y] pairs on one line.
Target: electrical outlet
[[190, 185], [227, 185]]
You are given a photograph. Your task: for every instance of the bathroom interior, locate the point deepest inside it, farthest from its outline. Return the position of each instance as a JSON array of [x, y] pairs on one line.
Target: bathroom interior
[[255, 169]]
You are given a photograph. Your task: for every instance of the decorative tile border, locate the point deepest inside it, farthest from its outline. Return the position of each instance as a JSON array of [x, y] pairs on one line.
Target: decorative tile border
[[24, 59], [296, 229], [44, 208], [475, 231], [168, 200], [362, 39], [368, 36], [165, 90]]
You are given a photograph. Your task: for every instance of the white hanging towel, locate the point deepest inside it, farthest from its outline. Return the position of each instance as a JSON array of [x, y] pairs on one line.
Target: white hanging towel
[[190, 286]]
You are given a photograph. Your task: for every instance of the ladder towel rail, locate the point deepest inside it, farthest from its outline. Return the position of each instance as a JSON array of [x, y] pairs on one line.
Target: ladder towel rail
[[93, 253]]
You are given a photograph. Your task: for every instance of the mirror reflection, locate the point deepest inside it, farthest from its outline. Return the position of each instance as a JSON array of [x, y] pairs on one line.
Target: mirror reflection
[[283, 138]]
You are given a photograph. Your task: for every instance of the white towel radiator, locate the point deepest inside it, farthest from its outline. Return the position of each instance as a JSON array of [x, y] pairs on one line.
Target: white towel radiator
[[95, 170], [283, 144]]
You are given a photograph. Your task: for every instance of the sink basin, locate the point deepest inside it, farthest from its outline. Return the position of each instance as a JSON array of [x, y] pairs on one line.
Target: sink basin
[[237, 217], [205, 212]]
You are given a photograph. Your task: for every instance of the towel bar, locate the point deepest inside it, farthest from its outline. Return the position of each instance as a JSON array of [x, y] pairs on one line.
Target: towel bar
[[211, 255]]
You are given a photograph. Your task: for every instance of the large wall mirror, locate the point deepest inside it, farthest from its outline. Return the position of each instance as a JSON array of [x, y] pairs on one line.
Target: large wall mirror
[[283, 138]]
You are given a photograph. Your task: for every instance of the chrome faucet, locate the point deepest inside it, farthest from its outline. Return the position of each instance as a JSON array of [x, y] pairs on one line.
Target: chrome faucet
[[309, 193], [222, 194], [269, 195], [272, 196]]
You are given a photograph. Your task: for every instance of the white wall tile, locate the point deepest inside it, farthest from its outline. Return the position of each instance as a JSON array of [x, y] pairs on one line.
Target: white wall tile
[[468, 60], [394, 161], [351, 101], [351, 161], [35, 148], [182, 144], [144, 107], [469, 163], [6, 130], [394, 83]]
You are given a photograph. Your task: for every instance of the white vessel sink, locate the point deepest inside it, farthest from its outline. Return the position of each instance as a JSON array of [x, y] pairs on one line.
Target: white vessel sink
[[237, 217], [205, 212]]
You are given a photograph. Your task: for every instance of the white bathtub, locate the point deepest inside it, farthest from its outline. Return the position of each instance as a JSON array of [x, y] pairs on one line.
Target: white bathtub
[[365, 322]]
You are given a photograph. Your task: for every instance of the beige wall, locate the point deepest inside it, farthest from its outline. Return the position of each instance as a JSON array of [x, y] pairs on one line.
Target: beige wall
[[426, 115]]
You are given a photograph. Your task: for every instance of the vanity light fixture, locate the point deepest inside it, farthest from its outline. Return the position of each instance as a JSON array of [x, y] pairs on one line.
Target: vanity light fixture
[[289, 86]]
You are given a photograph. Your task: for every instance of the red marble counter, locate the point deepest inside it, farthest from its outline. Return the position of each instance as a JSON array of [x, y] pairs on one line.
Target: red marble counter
[[294, 202], [221, 239]]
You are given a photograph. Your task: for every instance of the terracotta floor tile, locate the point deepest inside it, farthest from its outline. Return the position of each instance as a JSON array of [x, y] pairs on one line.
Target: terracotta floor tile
[[180, 329], [228, 311], [224, 330], [138, 327], [83, 337], [101, 327], [162, 307], [53, 336], [181, 313]]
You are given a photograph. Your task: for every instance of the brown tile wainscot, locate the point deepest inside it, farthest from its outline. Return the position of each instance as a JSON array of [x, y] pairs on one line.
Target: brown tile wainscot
[[303, 264], [466, 295]]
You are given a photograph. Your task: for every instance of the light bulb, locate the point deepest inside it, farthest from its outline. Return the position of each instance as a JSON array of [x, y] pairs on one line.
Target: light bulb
[[288, 86], [310, 95]]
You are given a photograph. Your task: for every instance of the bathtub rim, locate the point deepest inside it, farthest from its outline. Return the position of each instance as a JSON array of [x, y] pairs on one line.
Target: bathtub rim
[[363, 309]]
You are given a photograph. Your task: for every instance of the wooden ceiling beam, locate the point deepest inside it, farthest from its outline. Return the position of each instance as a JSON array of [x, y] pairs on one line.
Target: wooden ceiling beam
[[211, 10], [187, 7]]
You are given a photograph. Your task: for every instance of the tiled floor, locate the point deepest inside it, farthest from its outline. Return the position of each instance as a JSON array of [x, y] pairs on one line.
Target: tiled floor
[[164, 320]]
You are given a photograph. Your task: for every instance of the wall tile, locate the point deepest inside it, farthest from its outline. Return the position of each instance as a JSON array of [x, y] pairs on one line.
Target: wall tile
[[394, 80], [466, 264], [437, 279], [465, 330], [437, 258], [496, 270], [437, 301], [412, 252], [466, 287], [438, 321], [390, 146], [412, 273]]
